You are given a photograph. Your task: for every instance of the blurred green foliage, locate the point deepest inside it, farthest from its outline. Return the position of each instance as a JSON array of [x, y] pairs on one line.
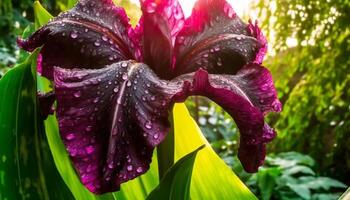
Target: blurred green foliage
[[313, 79]]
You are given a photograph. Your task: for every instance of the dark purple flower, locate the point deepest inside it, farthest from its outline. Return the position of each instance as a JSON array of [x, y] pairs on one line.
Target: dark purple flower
[[116, 85]]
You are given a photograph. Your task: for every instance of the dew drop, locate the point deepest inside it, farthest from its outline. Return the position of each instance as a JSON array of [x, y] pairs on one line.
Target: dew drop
[[104, 38], [128, 83], [129, 168], [77, 94], [97, 43], [125, 77], [111, 165], [86, 30], [156, 136], [89, 149], [139, 169], [116, 89], [96, 100], [124, 64], [148, 125], [70, 136], [74, 35], [153, 98]]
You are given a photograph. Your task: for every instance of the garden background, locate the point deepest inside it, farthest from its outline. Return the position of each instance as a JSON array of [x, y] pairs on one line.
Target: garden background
[[309, 49]]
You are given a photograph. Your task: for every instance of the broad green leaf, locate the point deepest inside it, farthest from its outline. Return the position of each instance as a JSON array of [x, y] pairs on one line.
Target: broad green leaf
[[267, 181], [26, 166], [298, 169], [302, 191], [177, 180], [41, 15], [211, 178]]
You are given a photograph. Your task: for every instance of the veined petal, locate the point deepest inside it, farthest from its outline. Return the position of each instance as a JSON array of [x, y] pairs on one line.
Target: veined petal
[[216, 39], [161, 21], [246, 96], [91, 35], [110, 120]]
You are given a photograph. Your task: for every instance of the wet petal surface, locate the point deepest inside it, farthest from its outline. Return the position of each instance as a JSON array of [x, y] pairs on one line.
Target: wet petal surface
[[161, 22], [216, 39], [91, 35], [110, 120]]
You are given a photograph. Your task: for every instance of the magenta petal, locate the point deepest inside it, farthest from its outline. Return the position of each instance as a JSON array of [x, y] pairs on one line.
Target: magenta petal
[[110, 120], [216, 39], [243, 98], [161, 21], [91, 35]]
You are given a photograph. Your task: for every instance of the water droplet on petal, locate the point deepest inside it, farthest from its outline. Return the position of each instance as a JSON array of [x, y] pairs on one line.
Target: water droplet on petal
[[97, 43], [111, 165], [148, 125], [70, 136], [74, 35], [156, 136], [89, 149], [96, 100], [128, 83], [129, 168], [139, 169], [104, 38], [125, 77], [124, 64], [77, 94], [116, 89]]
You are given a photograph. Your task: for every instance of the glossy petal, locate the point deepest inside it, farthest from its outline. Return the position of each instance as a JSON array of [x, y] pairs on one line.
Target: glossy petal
[[110, 120], [246, 97], [91, 35], [216, 39], [162, 20]]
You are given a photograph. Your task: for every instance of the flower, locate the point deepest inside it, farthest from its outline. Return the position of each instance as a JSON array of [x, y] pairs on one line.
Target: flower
[[116, 85]]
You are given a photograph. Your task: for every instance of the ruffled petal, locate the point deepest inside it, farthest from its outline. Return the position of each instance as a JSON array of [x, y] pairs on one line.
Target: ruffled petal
[[216, 39], [161, 22], [247, 97], [91, 35], [110, 120]]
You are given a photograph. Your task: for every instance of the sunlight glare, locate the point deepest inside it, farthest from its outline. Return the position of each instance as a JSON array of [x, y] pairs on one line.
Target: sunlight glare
[[241, 7]]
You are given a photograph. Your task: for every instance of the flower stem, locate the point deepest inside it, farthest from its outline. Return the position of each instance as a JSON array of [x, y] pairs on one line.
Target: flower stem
[[165, 151]]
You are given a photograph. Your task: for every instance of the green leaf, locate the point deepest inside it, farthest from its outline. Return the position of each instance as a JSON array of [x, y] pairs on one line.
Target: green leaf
[[41, 15], [26, 166], [298, 169], [177, 180], [321, 183], [211, 177], [267, 181], [302, 191]]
